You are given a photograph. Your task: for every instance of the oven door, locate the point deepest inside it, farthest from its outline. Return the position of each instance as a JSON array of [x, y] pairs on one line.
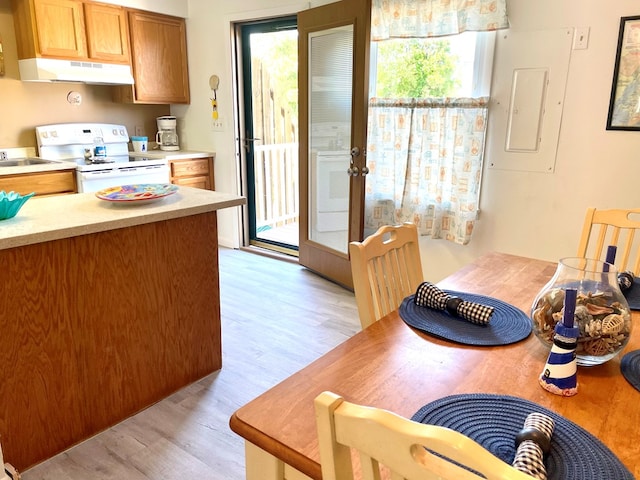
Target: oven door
[[95, 180]]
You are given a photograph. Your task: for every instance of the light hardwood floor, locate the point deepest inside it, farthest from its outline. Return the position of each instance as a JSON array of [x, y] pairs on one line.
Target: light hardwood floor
[[277, 317]]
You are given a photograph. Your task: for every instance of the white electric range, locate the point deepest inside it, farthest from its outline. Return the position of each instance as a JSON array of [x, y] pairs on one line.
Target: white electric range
[[75, 142]]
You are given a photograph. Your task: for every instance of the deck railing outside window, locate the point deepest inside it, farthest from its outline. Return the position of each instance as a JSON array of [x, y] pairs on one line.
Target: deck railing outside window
[[276, 185]]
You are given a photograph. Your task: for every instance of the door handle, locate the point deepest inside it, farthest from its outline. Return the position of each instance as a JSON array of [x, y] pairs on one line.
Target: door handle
[[247, 140], [353, 170]]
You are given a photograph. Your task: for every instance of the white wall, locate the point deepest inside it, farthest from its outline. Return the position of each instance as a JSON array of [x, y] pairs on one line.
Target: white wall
[[533, 214], [538, 214]]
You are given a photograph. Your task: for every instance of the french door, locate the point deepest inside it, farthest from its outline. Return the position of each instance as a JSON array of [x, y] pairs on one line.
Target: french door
[[333, 80], [270, 131]]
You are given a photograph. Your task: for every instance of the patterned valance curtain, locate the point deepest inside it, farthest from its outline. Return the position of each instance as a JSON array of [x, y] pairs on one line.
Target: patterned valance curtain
[[433, 18], [425, 155], [425, 161]]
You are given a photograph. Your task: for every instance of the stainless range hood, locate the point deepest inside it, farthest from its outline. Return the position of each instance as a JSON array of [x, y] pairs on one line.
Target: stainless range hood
[[52, 70]]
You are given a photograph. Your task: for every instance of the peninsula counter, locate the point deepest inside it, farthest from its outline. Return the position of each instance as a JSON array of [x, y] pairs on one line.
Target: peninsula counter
[[105, 309]]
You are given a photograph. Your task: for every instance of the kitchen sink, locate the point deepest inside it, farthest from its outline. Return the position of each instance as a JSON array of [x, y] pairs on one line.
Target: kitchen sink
[[24, 162]]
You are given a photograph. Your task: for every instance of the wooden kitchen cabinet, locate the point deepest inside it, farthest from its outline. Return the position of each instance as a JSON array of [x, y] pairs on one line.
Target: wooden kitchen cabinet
[[158, 58], [155, 45], [193, 172], [44, 184], [49, 28], [71, 29], [107, 32], [60, 28], [76, 360]]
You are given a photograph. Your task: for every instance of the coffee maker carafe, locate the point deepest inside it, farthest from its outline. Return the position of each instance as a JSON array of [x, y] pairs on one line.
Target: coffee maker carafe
[[167, 138]]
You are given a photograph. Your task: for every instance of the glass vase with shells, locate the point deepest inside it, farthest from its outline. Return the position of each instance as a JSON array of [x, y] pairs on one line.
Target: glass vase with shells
[[601, 312]]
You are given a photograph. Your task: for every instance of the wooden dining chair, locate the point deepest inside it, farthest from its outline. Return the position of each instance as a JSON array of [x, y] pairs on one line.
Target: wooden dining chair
[[612, 227], [386, 268], [385, 440]]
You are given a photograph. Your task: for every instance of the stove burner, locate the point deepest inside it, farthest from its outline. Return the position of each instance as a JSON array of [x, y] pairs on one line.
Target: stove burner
[[98, 160]]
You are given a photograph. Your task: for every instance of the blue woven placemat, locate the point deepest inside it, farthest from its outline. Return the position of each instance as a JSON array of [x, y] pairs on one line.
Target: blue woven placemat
[[494, 420], [633, 295], [508, 324], [630, 368]]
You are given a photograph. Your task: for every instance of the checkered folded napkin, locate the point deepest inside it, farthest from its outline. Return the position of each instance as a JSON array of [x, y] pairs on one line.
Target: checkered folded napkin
[[428, 295], [625, 281], [532, 442], [630, 287]]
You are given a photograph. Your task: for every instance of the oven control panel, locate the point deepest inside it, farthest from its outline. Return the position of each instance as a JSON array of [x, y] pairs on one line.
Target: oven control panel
[[70, 140], [80, 134]]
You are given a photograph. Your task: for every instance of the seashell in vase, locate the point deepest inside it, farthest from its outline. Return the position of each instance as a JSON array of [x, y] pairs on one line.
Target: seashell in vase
[[602, 312]]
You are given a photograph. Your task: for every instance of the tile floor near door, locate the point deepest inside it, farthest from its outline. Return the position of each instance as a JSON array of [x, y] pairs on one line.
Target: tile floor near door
[[277, 317]]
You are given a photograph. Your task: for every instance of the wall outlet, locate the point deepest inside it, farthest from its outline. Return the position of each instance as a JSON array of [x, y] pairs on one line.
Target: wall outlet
[[217, 124], [3, 155], [139, 131]]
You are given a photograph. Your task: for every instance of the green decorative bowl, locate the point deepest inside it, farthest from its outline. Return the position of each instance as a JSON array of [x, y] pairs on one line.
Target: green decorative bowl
[[11, 202]]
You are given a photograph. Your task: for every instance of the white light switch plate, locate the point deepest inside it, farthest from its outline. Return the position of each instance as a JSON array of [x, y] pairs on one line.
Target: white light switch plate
[[581, 38]]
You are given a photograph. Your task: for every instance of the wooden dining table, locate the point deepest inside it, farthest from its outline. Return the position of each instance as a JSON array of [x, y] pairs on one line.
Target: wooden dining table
[[392, 366]]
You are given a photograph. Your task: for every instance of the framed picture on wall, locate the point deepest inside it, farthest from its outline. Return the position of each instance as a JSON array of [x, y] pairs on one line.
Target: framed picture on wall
[[624, 105]]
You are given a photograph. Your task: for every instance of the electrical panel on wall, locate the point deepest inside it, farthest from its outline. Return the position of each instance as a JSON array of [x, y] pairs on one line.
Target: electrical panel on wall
[[527, 99]]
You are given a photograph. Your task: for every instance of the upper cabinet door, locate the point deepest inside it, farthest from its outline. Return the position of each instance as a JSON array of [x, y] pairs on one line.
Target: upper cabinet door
[[107, 32], [159, 58], [60, 27]]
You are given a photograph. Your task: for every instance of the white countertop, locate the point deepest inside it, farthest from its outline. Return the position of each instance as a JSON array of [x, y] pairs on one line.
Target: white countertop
[[62, 165], [29, 152], [64, 216], [173, 155], [46, 167]]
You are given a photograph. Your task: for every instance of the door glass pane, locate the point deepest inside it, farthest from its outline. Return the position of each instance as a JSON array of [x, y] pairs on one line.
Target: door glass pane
[[330, 98]]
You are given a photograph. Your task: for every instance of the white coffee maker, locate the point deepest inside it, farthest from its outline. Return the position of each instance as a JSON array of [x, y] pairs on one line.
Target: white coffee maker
[[167, 137]]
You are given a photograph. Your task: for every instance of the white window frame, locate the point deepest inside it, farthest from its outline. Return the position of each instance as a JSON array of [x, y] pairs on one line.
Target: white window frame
[[482, 66]]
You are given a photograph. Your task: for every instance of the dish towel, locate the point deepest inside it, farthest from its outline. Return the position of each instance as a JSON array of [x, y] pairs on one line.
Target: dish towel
[[532, 442], [428, 295]]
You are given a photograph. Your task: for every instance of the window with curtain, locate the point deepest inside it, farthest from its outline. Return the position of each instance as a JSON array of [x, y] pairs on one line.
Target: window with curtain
[[428, 116]]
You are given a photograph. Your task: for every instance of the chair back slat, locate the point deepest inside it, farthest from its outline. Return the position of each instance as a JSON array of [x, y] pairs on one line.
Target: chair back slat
[[612, 227], [370, 468], [401, 448], [386, 268]]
